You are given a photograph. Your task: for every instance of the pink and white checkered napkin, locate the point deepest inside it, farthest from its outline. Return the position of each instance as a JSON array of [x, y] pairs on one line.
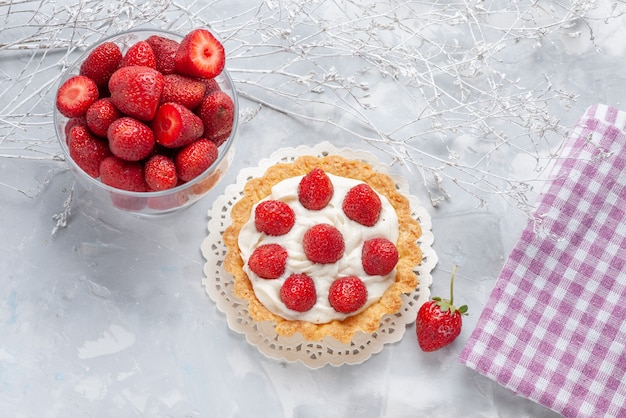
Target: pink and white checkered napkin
[[554, 327]]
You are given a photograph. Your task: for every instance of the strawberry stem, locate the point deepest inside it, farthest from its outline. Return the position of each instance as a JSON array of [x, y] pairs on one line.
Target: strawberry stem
[[452, 285]]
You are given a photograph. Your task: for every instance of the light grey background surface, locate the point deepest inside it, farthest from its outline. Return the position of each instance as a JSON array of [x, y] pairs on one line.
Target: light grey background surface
[[106, 316]]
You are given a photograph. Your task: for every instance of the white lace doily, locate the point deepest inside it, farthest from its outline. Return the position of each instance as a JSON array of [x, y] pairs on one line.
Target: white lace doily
[[219, 284]]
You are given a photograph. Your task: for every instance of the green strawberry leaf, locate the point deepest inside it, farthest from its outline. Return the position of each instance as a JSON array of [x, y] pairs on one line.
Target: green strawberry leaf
[[446, 305]]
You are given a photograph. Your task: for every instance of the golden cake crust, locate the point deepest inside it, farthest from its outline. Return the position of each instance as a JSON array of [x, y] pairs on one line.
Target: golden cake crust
[[409, 253]]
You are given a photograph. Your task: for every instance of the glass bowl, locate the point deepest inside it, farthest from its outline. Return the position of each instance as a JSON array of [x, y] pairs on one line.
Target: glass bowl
[[153, 202]]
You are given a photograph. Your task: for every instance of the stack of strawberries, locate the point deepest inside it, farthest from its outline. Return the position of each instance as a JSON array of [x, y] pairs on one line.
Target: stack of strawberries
[[150, 118], [322, 244]]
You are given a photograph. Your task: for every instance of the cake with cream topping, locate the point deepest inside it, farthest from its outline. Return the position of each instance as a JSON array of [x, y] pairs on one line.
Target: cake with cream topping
[[322, 246]]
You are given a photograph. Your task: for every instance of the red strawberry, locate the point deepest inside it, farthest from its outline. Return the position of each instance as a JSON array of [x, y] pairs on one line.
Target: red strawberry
[[298, 292], [160, 173], [274, 217], [136, 91], [79, 121], [195, 158], [315, 190], [268, 261], [379, 256], [130, 139], [211, 85], [75, 96], [164, 51], [125, 175], [347, 294], [131, 203], [101, 63], [438, 321], [100, 115], [323, 244], [139, 53], [86, 150], [200, 54], [175, 126], [183, 90], [168, 201], [217, 112], [362, 205]]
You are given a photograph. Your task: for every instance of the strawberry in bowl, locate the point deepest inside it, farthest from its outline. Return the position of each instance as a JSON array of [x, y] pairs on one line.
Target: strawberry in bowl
[[147, 119]]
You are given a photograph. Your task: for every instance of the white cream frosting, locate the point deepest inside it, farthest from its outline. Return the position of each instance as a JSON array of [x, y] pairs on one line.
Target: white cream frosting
[[354, 234]]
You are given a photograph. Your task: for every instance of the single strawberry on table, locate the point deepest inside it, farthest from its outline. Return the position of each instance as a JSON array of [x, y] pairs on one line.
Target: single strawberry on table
[[438, 321]]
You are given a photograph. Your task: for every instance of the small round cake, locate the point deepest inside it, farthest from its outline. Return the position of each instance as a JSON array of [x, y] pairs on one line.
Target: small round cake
[[322, 246]]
